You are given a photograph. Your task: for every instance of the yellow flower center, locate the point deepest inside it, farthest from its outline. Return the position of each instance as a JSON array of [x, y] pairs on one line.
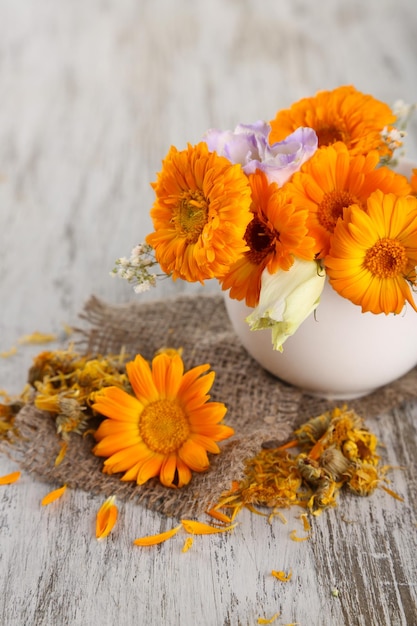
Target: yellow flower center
[[259, 240], [331, 207], [192, 214], [164, 426], [386, 259], [327, 135]]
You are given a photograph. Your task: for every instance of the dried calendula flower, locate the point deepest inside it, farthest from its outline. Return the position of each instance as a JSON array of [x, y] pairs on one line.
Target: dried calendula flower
[[334, 462], [106, 518], [152, 540], [53, 495], [8, 479]]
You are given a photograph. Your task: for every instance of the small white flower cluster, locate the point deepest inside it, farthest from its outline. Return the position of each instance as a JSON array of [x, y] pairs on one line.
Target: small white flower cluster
[[393, 137], [402, 112], [136, 269]]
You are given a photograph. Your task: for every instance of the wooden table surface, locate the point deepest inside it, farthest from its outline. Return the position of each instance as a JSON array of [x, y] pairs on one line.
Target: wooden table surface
[[93, 93]]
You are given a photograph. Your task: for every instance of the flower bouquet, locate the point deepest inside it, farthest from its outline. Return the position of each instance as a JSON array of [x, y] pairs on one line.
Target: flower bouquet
[[275, 211]]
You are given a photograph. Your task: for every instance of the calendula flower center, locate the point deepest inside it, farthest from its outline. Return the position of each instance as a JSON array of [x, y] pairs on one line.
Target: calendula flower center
[[259, 240], [164, 426], [386, 259], [331, 207], [327, 135], [192, 214]]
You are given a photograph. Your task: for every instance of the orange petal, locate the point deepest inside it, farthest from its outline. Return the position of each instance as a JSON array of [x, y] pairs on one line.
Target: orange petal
[[187, 544], [9, 478], [61, 454], [282, 576], [152, 540], [194, 456], [106, 518], [53, 495], [168, 468], [184, 473], [264, 620], [293, 536], [150, 468], [140, 377], [221, 517], [199, 528]]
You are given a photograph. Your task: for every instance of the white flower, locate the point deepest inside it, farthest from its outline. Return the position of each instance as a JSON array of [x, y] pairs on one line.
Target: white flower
[[287, 298]]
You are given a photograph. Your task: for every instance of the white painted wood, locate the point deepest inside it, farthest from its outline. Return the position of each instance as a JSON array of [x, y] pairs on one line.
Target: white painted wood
[[92, 95]]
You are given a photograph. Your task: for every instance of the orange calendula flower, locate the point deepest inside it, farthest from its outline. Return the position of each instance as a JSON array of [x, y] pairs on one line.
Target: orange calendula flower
[[200, 214], [373, 255], [106, 518], [414, 181], [334, 179], [167, 429], [53, 495], [343, 114], [153, 540], [8, 479], [276, 234]]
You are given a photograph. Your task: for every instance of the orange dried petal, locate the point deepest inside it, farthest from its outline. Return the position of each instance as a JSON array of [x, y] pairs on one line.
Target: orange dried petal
[[106, 518], [294, 537], [199, 528], [218, 515], [53, 495], [152, 540], [61, 454], [8, 479], [281, 575], [264, 620], [392, 493], [187, 544]]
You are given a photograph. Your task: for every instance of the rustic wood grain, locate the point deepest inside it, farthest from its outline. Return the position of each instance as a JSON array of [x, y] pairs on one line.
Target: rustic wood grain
[[93, 93]]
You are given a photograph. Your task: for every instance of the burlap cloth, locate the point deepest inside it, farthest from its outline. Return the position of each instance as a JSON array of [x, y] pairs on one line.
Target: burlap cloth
[[260, 407]]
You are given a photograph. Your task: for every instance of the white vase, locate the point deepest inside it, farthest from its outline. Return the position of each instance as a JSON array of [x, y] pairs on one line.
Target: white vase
[[338, 352]]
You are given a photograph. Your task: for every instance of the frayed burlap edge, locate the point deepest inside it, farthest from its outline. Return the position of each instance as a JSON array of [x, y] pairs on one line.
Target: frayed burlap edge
[[260, 407]]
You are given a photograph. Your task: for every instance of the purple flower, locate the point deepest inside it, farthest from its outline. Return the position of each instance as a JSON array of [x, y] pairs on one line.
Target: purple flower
[[248, 145]]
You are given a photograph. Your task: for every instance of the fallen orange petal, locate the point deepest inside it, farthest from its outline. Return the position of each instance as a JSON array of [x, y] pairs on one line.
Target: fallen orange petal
[[221, 517], [293, 536], [187, 544], [53, 495], [8, 479], [306, 523], [152, 540], [61, 453], [37, 337], [392, 493], [199, 528], [282, 576], [263, 620], [106, 518]]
